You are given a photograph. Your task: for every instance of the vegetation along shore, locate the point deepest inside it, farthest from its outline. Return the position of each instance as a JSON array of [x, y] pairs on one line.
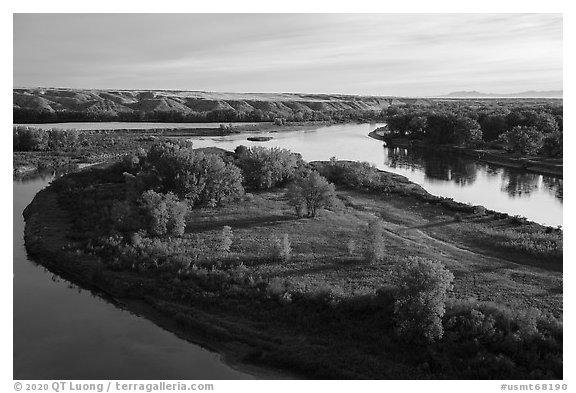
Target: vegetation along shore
[[329, 269]]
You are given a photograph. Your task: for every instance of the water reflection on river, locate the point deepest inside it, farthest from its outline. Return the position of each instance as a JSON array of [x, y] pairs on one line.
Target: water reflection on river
[[464, 171], [512, 191], [63, 332]]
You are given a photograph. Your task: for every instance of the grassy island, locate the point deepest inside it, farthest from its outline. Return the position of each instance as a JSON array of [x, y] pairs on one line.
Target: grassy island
[[325, 269]]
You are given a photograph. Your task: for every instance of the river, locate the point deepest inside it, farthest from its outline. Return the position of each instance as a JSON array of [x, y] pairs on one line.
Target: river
[[516, 192], [63, 332]]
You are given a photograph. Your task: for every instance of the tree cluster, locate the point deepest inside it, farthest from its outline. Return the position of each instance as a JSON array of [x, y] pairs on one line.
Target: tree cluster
[[36, 139], [473, 124], [264, 168]]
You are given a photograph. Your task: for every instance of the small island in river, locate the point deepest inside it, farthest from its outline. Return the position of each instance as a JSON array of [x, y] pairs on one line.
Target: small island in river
[[309, 267]]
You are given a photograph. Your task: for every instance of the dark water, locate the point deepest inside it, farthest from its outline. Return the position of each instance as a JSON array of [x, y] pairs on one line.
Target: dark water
[[63, 332], [537, 197]]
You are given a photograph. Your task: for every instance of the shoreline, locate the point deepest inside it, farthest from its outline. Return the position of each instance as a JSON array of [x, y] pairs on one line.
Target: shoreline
[[488, 157], [86, 271], [193, 316]]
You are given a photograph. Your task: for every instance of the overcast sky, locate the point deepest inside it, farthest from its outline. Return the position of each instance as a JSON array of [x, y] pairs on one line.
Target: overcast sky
[[379, 54]]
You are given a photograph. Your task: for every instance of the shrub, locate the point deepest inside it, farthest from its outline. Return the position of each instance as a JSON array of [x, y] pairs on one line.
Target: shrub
[[542, 244], [264, 168], [37, 139], [522, 140], [123, 216], [552, 146], [281, 249], [423, 287], [354, 175], [30, 139], [59, 140], [375, 250], [164, 213], [201, 178], [313, 192], [467, 132], [226, 239]]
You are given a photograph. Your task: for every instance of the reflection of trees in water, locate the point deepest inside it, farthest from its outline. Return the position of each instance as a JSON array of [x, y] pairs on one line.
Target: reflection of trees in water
[[463, 171], [517, 183], [555, 185], [491, 170], [437, 166], [45, 174]]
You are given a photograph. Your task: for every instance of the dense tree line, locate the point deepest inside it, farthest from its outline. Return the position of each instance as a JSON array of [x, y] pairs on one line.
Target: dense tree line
[[35, 139], [31, 116], [505, 125]]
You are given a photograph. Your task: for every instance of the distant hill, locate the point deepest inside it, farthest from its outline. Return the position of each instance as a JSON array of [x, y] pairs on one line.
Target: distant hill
[[36, 105], [524, 94]]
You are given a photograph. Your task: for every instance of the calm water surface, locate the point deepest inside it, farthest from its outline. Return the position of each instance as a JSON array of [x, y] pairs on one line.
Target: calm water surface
[[537, 197], [62, 332]]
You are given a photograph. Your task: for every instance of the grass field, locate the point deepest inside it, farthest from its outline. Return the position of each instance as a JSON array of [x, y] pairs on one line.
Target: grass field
[[325, 312]]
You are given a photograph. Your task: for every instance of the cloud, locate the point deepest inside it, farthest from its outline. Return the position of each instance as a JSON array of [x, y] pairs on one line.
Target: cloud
[[408, 54]]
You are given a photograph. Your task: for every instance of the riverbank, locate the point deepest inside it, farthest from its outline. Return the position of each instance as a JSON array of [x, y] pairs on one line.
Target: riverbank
[[551, 167], [51, 247], [251, 326], [104, 145]]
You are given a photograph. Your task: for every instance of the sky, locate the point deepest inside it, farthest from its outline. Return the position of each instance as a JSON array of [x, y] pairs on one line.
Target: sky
[[365, 54]]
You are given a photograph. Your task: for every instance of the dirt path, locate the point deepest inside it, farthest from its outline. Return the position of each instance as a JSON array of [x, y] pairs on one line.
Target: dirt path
[[482, 274]]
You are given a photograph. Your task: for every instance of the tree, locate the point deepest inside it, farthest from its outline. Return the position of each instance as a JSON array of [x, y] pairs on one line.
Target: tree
[[467, 131], [280, 248], [30, 139], [164, 213], [493, 125], [423, 287], [226, 239], [313, 192], [440, 128], [264, 168], [552, 146], [375, 250], [522, 140], [201, 178]]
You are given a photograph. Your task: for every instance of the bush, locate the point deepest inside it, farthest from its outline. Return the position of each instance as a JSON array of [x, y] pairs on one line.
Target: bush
[[226, 239], [264, 168], [165, 214], [122, 216], [313, 192], [521, 140], [281, 249], [201, 178], [30, 139], [552, 146], [375, 251], [467, 132], [37, 139], [355, 175], [423, 287], [541, 244]]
